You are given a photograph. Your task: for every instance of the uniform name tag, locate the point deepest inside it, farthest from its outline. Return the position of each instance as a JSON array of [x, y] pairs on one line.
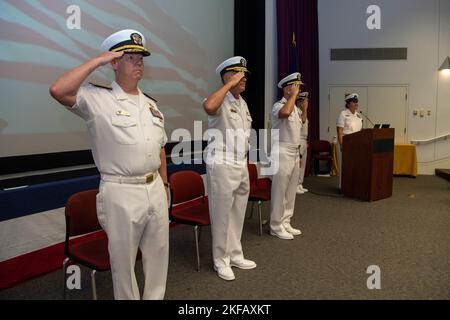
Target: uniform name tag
[[123, 113], [156, 113]]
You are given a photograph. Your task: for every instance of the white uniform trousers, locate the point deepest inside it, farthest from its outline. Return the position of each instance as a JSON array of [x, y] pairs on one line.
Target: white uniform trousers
[[228, 189], [284, 187], [304, 156], [136, 216]]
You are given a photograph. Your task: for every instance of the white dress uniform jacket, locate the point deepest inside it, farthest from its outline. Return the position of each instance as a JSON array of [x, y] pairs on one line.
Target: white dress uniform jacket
[[349, 121], [126, 141], [227, 178], [284, 182]]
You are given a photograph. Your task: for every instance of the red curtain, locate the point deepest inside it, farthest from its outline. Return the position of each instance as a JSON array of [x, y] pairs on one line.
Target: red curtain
[[300, 17]]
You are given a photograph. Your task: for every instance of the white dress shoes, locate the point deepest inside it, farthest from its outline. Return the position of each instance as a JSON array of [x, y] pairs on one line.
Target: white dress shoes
[[300, 190], [225, 273], [293, 231], [243, 264], [282, 235]]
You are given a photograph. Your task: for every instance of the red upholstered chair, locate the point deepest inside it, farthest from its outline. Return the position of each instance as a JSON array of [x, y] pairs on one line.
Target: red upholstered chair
[[81, 219], [90, 248], [259, 191], [189, 205], [321, 151]]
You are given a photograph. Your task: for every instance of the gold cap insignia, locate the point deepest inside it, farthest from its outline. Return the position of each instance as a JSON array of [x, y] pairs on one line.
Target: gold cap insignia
[[137, 39]]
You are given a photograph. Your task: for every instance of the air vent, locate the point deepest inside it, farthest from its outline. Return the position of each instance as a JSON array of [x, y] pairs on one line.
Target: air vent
[[369, 54]]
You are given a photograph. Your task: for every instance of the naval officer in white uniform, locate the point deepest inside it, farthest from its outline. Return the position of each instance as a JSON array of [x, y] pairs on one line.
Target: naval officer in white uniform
[[286, 148], [127, 136], [302, 104], [349, 121], [229, 124]]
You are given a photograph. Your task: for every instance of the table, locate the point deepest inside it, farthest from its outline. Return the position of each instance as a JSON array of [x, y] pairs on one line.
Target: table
[[405, 159]]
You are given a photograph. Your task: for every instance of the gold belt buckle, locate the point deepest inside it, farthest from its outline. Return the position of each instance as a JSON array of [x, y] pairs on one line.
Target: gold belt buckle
[[149, 178]]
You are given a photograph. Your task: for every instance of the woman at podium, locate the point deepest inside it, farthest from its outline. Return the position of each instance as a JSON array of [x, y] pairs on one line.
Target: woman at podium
[[349, 121]]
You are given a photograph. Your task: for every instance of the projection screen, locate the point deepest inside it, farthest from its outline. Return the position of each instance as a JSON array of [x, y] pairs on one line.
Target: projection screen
[[40, 40]]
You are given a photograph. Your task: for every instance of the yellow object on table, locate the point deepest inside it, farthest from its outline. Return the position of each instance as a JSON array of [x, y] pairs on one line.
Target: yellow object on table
[[405, 159], [335, 163]]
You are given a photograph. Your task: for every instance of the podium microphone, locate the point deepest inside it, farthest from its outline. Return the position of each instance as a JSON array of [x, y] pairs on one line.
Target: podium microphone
[[367, 118]]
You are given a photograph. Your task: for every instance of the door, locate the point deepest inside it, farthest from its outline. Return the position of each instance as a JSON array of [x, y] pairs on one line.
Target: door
[[388, 105]]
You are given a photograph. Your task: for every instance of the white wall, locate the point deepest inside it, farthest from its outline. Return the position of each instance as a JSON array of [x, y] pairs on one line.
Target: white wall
[[423, 26]]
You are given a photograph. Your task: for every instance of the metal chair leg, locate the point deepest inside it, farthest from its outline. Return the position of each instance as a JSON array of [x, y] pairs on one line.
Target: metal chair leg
[[94, 287], [264, 221], [196, 247], [199, 234], [260, 218], [251, 211], [65, 262]]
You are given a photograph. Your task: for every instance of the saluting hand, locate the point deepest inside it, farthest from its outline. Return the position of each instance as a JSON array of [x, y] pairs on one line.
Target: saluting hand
[[108, 56], [293, 90], [235, 79], [304, 105]]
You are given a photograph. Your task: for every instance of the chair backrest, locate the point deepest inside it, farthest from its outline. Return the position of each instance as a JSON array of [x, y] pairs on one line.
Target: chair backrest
[[321, 146], [81, 213], [252, 173], [185, 186]]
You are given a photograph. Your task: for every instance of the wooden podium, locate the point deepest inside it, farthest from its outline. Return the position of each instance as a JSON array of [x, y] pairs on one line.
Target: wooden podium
[[368, 164]]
